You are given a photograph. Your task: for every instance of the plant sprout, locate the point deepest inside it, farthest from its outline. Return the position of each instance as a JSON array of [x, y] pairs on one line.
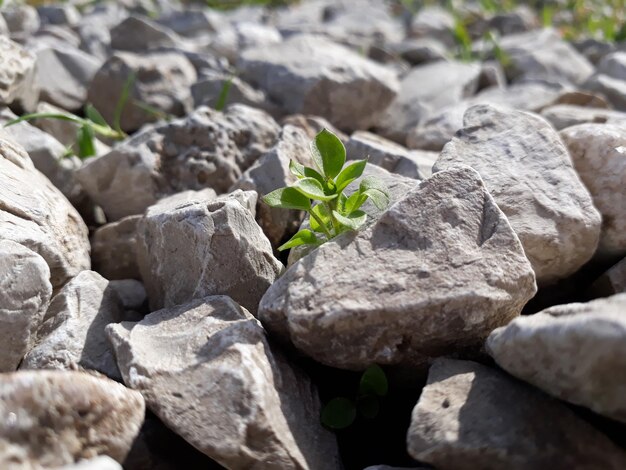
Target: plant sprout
[[335, 213]]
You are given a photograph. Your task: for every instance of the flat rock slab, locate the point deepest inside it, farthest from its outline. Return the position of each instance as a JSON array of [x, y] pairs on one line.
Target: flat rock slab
[[54, 418], [433, 275], [312, 75], [527, 169], [470, 416], [576, 352], [72, 333], [207, 371]]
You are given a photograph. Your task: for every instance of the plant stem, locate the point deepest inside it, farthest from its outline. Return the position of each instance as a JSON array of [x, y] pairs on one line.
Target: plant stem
[[331, 206], [322, 224]]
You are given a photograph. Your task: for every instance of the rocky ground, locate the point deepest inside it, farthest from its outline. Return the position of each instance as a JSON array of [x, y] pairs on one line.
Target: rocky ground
[[147, 319]]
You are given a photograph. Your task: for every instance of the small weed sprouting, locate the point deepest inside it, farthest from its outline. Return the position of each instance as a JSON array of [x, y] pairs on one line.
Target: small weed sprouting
[[340, 412], [335, 213], [222, 99]]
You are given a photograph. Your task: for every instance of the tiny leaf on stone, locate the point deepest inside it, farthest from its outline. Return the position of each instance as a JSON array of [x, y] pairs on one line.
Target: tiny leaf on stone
[[350, 173], [329, 153], [303, 237]]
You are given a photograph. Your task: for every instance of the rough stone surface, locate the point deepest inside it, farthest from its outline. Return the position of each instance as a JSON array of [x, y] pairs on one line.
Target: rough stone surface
[[207, 370], [432, 276], [599, 155], [54, 418], [312, 75], [612, 88], [242, 35], [613, 65], [471, 416], [205, 149], [114, 249], [575, 352], [25, 292], [163, 81], [204, 247], [562, 116], [35, 214], [22, 20], [132, 294], [528, 171], [17, 75], [72, 333]]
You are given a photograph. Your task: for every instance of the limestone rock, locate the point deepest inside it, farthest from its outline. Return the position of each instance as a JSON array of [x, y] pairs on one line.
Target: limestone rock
[[312, 75], [114, 249], [25, 292], [612, 88], [562, 116], [17, 75], [207, 370], [22, 20], [613, 65], [471, 416], [35, 214], [66, 15], [433, 22], [242, 35], [599, 155], [575, 352], [432, 276], [138, 34], [204, 247], [528, 171], [54, 418], [101, 462], [206, 149], [132, 294]]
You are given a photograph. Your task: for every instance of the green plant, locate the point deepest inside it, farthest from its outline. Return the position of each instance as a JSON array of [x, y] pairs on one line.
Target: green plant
[[340, 412], [224, 92], [463, 40], [335, 213]]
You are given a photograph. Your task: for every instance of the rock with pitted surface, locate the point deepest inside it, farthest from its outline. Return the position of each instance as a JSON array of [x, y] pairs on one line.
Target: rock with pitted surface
[[54, 418], [471, 416], [25, 292], [207, 371], [573, 352], [206, 149], [433, 275], [527, 169]]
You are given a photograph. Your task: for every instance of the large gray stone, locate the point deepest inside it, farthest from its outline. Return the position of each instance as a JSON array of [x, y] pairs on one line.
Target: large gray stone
[[599, 155], [207, 371], [204, 247], [35, 214], [206, 149], [72, 333], [25, 292], [21, 19], [576, 352], [528, 171], [432, 276], [17, 75], [54, 418], [470, 416], [139, 34], [312, 75], [114, 249]]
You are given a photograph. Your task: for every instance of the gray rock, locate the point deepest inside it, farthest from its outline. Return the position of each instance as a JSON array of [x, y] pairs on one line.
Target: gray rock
[[562, 116], [521, 19], [200, 248], [528, 171], [101, 462], [470, 416], [138, 34], [22, 20], [72, 334], [421, 50], [270, 172], [424, 90], [66, 15], [612, 88], [333, 82], [25, 292], [594, 49], [35, 214], [544, 55], [132, 294], [17, 75], [163, 81], [432, 276], [207, 370], [192, 22], [64, 75], [312, 125], [54, 418], [434, 22], [230, 41], [114, 249], [206, 149], [574, 352], [611, 282], [599, 155], [613, 65]]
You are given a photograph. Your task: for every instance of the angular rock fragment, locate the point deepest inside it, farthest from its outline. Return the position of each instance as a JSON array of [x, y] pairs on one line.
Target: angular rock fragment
[[562, 116], [432, 276], [611, 282], [17, 75], [207, 371], [114, 249], [528, 171]]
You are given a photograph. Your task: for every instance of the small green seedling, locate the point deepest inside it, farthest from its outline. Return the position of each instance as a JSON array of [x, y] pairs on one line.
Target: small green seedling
[[224, 92], [335, 213], [340, 412]]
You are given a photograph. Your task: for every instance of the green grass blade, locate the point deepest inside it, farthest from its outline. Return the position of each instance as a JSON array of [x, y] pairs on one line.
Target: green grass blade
[[224, 92]]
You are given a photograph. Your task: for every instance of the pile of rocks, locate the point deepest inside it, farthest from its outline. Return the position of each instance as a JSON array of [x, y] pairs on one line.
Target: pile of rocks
[[147, 319]]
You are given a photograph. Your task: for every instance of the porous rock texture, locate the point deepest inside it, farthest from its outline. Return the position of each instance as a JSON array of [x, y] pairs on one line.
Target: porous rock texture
[[435, 274], [527, 169], [207, 370]]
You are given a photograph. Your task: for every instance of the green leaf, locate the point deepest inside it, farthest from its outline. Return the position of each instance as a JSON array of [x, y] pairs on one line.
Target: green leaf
[[368, 406], [373, 382], [353, 220], [329, 153], [321, 211], [302, 171], [376, 191], [85, 141], [303, 237], [349, 174], [355, 201], [223, 96], [60, 116], [287, 198], [123, 99], [313, 189], [339, 413], [94, 115]]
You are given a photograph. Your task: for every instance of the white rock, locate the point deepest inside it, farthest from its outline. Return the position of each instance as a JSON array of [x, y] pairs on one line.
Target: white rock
[[17, 75]]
